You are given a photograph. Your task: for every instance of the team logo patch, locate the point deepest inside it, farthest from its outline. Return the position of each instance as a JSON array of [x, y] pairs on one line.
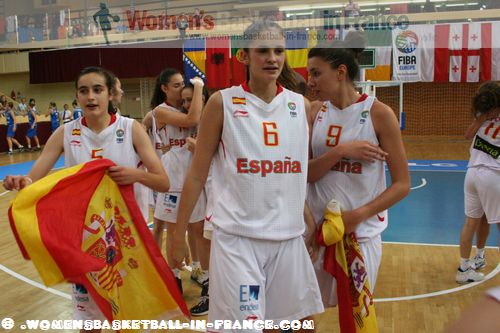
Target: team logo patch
[[240, 113], [239, 100], [76, 131], [364, 115], [292, 106], [249, 297], [119, 135]]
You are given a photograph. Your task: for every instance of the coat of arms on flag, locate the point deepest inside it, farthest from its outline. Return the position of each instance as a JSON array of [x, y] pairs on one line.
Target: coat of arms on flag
[[97, 238]]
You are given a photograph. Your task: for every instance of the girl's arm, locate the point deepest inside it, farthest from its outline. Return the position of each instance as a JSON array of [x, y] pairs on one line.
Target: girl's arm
[[208, 140], [44, 163], [155, 177], [389, 135], [359, 150], [192, 118]]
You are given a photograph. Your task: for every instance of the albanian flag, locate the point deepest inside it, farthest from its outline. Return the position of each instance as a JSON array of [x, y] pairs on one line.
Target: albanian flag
[[344, 261], [78, 225]]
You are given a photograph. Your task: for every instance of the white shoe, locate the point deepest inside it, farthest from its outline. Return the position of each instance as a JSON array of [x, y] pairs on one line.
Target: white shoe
[[469, 275], [478, 262]]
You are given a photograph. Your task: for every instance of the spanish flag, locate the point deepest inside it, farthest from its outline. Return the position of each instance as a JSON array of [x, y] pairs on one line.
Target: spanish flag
[[78, 225], [344, 260]]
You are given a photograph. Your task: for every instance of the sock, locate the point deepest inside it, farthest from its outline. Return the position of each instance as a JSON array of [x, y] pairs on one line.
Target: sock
[[480, 252], [177, 273], [195, 265], [29, 146], [10, 150], [464, 264]]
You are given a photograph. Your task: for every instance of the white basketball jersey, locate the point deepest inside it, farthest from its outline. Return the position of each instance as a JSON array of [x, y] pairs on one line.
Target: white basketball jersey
[[261, 165], [351, 182], [485, 149], [158, 136], [82, 145], [177, 160]]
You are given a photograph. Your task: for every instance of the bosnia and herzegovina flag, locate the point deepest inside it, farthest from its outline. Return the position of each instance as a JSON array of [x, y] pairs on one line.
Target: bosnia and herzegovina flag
[[193, 57], [344, 260], [78, 225]]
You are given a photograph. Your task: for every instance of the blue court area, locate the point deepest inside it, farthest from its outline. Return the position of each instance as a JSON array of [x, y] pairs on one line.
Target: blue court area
[[24, 168], [432, 213]]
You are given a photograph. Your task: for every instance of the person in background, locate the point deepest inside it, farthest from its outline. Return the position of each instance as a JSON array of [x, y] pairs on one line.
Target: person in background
[[54, 116], [66, 114], [32, 127], [11, 128], [77, 110], [22, 107]]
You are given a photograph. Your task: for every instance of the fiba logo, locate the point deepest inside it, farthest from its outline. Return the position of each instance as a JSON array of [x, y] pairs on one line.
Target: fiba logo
[[407, 41]]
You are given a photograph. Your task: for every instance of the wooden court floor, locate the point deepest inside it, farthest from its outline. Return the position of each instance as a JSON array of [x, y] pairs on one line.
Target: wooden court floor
[[415, 291]]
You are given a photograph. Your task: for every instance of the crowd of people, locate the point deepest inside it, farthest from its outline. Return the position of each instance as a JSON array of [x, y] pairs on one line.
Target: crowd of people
[[248, 173]]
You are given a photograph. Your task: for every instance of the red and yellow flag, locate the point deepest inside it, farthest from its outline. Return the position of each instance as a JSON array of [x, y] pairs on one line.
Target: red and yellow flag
[[344, 260], [78, 225]]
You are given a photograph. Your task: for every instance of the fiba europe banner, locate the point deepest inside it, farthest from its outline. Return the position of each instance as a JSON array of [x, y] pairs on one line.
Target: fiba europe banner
[[408, 52], [78, 225], [457, 52]]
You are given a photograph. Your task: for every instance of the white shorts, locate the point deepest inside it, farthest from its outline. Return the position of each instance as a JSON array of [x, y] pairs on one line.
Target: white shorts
[[167, 205], [84, 307], [482, 193], [372, 255], [261, 279]]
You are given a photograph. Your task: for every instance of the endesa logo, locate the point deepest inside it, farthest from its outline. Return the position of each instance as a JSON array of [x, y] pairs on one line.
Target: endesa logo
[[249, 297], [264, 167]]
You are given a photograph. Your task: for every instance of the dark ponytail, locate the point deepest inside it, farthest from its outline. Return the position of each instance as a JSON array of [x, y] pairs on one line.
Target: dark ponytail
[[164, 78], [486, 99], [344, 52]]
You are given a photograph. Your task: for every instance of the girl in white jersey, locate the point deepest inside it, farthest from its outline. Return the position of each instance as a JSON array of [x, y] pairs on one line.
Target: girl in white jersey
[[97, 139], [351, 137], [166, 102], [481, 186], [257, 135]]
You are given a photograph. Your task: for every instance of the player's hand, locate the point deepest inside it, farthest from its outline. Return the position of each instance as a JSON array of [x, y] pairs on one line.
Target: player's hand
[[312, 245], [196, 81], [165, 148], [124, 175], [16, 182], [190, 144], [351, 220], [362, 150]]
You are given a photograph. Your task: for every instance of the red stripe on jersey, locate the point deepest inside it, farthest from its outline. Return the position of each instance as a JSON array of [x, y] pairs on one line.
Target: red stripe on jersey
[[111, 121], [245, 87], [223, 148]]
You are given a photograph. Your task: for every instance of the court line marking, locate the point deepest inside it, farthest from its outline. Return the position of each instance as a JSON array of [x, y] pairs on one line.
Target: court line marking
[[34, 283], [4, 193], [430, 244], [424, 182], [441, 292]]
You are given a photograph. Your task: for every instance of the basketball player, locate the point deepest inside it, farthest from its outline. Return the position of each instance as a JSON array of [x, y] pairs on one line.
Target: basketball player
[[166, 102], [77, 110], [481, 188], [54, 116], [259, 265], [11, 128], [96, 132], [351, 137], [32, 127]]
